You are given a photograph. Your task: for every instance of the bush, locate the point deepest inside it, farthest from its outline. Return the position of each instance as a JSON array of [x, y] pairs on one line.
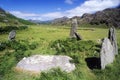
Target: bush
[[55, 74], [33, 45], [7, 61], [10, 28], [19, 54], [7, 29], [20, 47], [17, 45], [73, 46], [23, 27], [2, 46]]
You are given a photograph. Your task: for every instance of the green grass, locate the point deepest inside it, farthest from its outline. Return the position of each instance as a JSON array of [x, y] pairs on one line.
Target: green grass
[[42, 39]]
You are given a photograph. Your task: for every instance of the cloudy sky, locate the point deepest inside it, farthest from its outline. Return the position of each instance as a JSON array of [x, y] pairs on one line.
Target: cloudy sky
[[51, 9]]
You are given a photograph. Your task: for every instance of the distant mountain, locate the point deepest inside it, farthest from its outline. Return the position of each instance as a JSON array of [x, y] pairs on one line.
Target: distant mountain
[[110, 17], [60, 21], [41, 22], [9, 19], [57, 21]]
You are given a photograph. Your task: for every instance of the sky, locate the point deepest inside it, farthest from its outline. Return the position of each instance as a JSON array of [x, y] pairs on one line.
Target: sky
[[51, 9]]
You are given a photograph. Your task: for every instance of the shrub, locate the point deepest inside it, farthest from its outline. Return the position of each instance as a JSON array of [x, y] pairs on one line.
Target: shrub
[[23, 27], [7, 61], [19, 54], [2, 46], [16, 45], [10, 28], [33, 45], [20, 47], [54, 74], [72, 45]]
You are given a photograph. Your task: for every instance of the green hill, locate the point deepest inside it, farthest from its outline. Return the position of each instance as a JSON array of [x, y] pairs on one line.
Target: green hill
[[8, 19]]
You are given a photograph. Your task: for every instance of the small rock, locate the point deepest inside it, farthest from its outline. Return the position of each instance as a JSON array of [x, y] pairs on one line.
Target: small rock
[[12, 35]]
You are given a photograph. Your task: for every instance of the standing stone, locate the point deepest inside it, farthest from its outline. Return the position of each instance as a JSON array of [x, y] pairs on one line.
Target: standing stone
[[73, 29], [106, 54], [12, 35], [112, 37]]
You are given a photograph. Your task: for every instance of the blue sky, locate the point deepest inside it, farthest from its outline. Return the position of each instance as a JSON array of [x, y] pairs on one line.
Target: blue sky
[[50, 9]]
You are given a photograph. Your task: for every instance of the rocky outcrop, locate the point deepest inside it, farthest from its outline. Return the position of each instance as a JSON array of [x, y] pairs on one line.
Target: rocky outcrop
[[86, 18], [38, 63], [60, 21], [110, 17]]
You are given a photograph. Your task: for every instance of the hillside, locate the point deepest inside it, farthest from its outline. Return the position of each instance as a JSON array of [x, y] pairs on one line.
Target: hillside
[[8, 19], [110, 16]]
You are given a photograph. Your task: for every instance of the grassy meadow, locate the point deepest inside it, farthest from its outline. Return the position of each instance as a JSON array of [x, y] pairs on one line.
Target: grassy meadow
[[42, 39]]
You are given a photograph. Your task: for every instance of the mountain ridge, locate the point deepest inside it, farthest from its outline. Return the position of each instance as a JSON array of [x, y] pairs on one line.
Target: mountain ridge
[[109, 16]]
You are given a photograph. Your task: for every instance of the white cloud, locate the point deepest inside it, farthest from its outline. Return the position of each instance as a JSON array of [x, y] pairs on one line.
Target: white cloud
[[69, 1], [89, 6], [47, 16], [24, 15]]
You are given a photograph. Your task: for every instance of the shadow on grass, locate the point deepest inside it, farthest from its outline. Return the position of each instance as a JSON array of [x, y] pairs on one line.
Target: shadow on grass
[[93, 62]]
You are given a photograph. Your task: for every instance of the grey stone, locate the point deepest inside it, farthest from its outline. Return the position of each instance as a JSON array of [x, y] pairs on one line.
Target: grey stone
[[106, 54], [12, 35], [73, 29], [112, 37], [38, 63]]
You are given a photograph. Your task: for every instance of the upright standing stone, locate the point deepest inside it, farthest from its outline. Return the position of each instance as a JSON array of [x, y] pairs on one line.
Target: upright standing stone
[[73, 30], [12, 35], [106, 54], [112, 37]]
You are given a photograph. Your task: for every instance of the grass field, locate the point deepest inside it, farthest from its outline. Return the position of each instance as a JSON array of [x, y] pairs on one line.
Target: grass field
[[43, 36]]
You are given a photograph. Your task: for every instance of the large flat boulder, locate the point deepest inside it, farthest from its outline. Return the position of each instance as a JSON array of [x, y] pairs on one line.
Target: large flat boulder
[[38, 63]]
